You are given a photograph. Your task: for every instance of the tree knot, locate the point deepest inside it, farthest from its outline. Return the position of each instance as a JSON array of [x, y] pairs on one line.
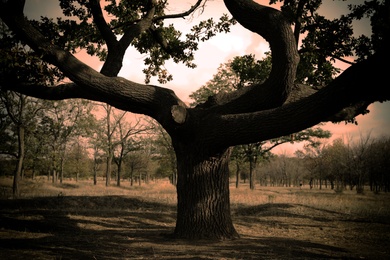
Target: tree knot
[[179, 114]]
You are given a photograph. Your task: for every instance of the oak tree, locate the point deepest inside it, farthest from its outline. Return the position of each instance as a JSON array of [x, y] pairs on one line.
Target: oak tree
[[201, 135]]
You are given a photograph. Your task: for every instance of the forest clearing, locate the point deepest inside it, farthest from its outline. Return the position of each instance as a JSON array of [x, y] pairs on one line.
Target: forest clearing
[[78, 220]]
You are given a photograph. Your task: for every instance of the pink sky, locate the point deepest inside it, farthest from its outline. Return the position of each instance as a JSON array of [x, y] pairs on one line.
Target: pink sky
[[222, 48]]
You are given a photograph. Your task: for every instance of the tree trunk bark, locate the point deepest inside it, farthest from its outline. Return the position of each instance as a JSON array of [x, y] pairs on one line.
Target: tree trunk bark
[[203, 210]]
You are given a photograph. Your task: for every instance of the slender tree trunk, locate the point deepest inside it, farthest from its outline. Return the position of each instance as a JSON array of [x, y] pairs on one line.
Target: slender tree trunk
[[94, 176], [118, 180], [203, 210], [131, 176], [252, 177], [109, 143], [62, 170], [238, 169], [18, 170], [95, 169], [238, 172], [108, 169]]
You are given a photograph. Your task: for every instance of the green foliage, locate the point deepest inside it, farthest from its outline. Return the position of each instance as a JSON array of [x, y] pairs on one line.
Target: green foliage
[[327, 40], [251, 71], [235, 74], [225, 80], [163, 151], [20, 65], [377, 12], [126, 21], [78, 163], [8, 140]]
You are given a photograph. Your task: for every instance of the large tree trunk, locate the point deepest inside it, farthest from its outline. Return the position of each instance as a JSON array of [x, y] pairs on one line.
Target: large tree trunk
[[203, 210]]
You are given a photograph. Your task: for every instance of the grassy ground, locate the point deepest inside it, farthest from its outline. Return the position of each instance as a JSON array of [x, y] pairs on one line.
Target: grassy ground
[[98, 222]]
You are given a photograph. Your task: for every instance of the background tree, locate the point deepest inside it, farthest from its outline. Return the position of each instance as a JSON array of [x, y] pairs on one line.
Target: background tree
[[96, 143], [77, 161], [136, 164], [21, 110], [7, 140], [109, 147], [125, 143], [315, 163], [358, 165], [284, 171], [164, 151], [59, 124], [116, 138], [18, 60], [379, 161], [201, 135]]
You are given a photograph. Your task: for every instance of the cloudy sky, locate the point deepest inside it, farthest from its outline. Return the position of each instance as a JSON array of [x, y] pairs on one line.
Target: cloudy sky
[[224, 47]]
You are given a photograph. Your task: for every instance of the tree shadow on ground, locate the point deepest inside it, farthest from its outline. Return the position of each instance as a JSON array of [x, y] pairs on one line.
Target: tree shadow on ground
[[284, 210], [116, 227]]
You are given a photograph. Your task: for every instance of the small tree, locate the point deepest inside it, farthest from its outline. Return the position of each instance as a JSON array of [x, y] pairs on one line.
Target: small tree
[[17, 60], [164, 152], [126, 141]]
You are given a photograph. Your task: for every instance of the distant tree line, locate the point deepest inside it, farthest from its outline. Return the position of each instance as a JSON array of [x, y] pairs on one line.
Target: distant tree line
[[359, 165]]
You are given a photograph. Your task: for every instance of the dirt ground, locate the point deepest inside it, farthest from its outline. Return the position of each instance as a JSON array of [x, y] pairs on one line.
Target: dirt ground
[[122, 227]]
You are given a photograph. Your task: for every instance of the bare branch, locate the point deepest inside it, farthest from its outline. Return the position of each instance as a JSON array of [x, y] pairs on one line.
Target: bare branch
[[275, 28], [169, 16], [352, 87], [183, 14]]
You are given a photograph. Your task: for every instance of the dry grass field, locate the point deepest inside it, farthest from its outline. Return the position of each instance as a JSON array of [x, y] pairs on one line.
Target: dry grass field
[[98, 222]]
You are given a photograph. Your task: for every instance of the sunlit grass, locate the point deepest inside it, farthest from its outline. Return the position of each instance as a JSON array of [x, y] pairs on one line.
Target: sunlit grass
[[347, 202]]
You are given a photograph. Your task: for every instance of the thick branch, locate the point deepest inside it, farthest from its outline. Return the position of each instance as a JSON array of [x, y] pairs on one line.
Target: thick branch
[[60, 92], [274, 27], [101, 24], [117, 49], [138, 28], [127, 95], [366, 82]]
